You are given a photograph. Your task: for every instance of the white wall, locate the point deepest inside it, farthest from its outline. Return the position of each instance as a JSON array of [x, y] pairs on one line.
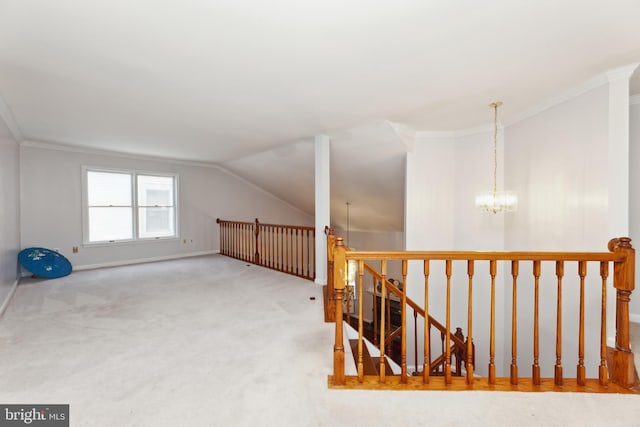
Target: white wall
[[51, 214], [9, 213], [443, 176], [634, 196], [558, 162]]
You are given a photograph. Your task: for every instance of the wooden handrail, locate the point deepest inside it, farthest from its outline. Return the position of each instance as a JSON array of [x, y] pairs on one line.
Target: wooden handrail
[[286, 248], [616, 370], [484, 256]]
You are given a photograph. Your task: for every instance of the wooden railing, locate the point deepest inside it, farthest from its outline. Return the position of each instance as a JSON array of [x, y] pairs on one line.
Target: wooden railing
[[286, 248], [615, 368], [455, 340], [384, 334]]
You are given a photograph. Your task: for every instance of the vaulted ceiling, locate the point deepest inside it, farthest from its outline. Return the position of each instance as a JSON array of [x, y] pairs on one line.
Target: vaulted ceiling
[[246, 84]]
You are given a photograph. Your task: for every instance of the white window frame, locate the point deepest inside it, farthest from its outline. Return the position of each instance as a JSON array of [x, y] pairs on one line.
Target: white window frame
[[134, 205]]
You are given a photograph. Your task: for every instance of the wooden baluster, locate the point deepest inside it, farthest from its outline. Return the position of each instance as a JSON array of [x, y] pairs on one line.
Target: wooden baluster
[[388, 294], [603, 371], [515, 269], [536, 325], [274, 247], [442, 351], [297, 253], [227, 239], [415, 342], [313, 254], [581, 370], [492, 335], [458, 353], [285, 260], [426, 363], [331, 244], [469, 361], [403, 322], [290, 257], [383, 297], [290, 251], [375, 311], [447, 363], [221, 232], [235, 240], [257, 246], [238, 243], [243, 239], [281, 246], [558, 376], [360, 322], [340, 266], [230, 239], [223, 238], [304, 245], [309, 243]]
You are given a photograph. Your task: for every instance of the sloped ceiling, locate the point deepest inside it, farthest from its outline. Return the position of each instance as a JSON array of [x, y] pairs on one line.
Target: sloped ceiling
[[226, 82]]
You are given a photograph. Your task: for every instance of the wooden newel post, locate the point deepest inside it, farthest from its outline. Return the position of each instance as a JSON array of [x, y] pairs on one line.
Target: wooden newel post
[[256, 231], [331, 244], [623, 370], [339, 284]]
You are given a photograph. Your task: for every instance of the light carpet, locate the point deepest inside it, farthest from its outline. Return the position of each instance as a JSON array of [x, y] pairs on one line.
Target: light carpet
[[210, 341]]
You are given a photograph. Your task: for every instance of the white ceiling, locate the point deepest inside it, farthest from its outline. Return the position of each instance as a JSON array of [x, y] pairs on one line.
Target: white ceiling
[[227, 81]]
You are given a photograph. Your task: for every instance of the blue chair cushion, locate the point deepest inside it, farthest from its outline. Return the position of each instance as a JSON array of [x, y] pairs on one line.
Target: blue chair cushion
[[44, 262]]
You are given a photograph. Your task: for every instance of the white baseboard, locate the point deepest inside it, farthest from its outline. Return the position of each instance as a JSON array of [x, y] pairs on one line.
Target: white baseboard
[[635, 318], [141, 260], [6, 301]]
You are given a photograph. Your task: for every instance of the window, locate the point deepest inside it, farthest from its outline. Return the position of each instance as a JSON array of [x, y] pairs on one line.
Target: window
[[127, 206]]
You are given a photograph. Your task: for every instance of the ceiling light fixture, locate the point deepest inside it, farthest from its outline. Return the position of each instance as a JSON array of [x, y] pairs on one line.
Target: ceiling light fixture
[[496, 201]]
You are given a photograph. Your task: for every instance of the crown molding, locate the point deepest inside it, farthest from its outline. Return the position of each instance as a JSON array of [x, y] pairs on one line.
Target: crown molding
[[88, 150], [591, 84], [568, 95], [10, 121]]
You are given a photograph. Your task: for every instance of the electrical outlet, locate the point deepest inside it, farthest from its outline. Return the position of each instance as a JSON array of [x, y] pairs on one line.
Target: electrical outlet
[[75, 249]]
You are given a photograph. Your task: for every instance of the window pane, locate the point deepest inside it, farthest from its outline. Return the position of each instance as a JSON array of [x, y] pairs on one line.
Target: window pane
[[110, 224], [156, 222], [155, 190], [108, 189]]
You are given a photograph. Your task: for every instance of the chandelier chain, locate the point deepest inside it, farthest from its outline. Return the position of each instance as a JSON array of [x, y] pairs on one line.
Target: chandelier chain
[[495, 147]]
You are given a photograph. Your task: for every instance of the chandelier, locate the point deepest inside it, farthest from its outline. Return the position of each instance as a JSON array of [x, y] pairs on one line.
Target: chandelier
[[496, 201]]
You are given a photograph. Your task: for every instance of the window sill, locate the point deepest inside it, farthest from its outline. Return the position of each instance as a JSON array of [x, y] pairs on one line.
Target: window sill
[[131, 242]]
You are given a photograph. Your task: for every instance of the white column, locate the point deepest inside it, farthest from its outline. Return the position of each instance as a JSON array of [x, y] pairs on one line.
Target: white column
[[618, 170], [323, 204], [618, 161]]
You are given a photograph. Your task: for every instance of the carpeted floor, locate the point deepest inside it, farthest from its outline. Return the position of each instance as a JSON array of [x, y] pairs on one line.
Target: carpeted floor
[[211, 341]]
